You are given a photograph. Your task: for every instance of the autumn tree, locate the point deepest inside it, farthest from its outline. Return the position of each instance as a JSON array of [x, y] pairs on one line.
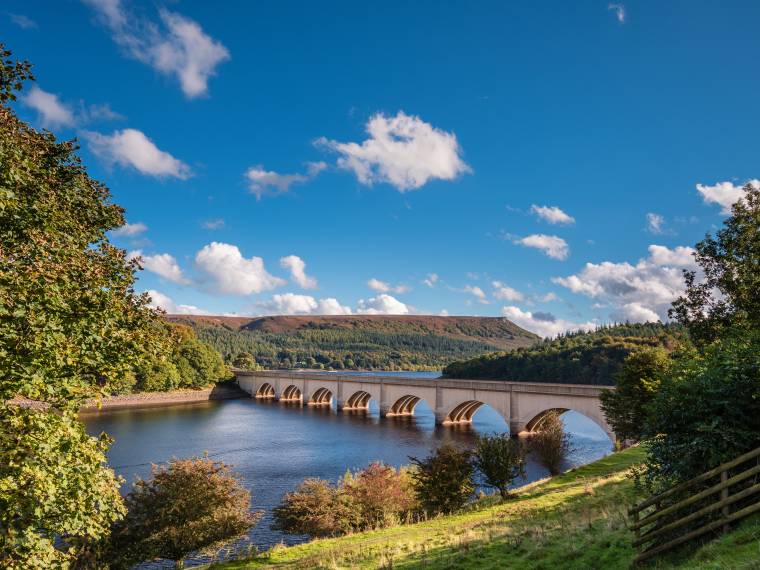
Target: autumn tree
[[71, 324], [550, 444]]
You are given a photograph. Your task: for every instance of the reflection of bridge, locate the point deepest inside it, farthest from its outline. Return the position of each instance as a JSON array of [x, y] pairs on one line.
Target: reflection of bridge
[[522, 404]]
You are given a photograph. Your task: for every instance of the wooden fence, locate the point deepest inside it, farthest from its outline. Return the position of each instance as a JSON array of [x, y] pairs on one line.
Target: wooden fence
[[708, 503]]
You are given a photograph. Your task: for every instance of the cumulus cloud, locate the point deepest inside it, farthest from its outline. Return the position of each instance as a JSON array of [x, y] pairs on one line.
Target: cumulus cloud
[[177, 47], [383, 304], [385, 287], [640, 292], [476, 292], [22, 21], [162, 264], [227, 271], [129, 230], [552, 214], [552, 246], [543, 324], [297, 268], [293, 304], [725, 194], [619, 11], [160, 301], [403, 151], [263, 182], [52, 112], [504, 292], [431, 279], [131, 148]]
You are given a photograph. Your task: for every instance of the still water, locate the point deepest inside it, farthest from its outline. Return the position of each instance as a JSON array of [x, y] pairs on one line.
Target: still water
[[275, 446]]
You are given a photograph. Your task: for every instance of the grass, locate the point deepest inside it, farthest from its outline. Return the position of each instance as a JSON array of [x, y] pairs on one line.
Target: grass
[[575, 520]]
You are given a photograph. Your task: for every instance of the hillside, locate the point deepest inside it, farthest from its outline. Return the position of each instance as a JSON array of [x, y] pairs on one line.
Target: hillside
[[577, 358], [576, 520], [380, 342]]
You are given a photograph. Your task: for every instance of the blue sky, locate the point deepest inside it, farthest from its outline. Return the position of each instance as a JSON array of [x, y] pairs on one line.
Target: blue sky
[[549, 162]]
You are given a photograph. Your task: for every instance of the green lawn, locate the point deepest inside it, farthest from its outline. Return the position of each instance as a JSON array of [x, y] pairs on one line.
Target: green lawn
[[576, 520]]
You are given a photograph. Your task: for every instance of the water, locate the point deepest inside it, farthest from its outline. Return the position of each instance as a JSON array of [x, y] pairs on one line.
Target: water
[[275, 446]]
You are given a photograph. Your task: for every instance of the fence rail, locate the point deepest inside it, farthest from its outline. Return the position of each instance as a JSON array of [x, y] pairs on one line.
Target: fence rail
[[697, 507]]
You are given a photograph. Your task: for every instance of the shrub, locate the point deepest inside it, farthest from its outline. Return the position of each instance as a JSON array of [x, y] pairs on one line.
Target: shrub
[[186, 506], [316, 508], [550, 444], [500, 459], [381, 495], [443, 481]]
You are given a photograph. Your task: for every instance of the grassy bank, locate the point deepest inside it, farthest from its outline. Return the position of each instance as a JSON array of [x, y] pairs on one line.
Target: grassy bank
[[576, 520]]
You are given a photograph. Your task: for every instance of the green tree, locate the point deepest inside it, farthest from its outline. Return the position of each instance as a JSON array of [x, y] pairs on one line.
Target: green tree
[[186, 506], [550, 444], [71, 324], [637, 383], [727, 296], [199, 364], [245, 361], [500, 459], [157, 374], [443, 481]]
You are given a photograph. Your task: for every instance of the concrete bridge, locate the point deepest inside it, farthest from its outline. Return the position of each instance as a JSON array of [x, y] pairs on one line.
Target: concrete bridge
[[522, 404]]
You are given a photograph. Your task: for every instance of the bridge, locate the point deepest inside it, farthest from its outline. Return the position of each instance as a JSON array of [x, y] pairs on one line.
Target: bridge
[[523, 405]]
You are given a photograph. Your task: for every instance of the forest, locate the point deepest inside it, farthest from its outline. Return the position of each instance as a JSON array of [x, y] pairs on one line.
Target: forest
[[574, 358]]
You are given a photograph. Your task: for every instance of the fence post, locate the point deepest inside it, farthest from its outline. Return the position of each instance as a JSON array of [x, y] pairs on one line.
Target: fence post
[[723, 496]]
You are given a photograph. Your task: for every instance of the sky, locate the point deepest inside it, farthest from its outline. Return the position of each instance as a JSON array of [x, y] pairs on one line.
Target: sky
[[553, 163]]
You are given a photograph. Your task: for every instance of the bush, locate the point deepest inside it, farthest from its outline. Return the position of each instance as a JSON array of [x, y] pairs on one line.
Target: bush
[[381, 495], [707, 410], [550, 444], [443, 481], [316, 508], [186, 506], [500, 460]]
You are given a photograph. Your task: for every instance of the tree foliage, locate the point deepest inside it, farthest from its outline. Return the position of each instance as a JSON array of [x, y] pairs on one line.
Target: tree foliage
[[381, 496], [500, 459], [186, 506], [727, 294], [443, 481], [550, 445], [575, 358]]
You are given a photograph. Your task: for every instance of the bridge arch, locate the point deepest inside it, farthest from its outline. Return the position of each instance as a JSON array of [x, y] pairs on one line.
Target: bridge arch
[[265, 392], [597, 417], [358, 401], [291, 394], [321, 397], [404, 406]]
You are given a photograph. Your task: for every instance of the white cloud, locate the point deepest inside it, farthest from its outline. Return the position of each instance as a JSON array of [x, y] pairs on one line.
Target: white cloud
[[553, 246], [383, 304], [52, 112], [130, 147], [548, 298], [619, 10], [635, 292], [213, 224], [403, 151], [476, 292], [227, 271], [543, 324], [263, 182], [179, 47], [129, 230], [655, 223], [431, 279], [163, 265], [292, 304], [552, 214], [724, 194], [504, 292], [23, 22], [297, 268], [161, 301], [385, 287], [97, 112], [443, 313]]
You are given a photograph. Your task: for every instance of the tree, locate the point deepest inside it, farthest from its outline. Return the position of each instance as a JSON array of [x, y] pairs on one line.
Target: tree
[[550, 444], [637, 383], [186, 506], [316, 508], [246, 361], [443, 481], [500, 460], [71, 325], [381, 495], [728, 295], [157, 374], [199, 364]]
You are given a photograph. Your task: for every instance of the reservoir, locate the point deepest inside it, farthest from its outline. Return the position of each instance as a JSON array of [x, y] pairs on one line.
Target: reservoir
[[274, 446]]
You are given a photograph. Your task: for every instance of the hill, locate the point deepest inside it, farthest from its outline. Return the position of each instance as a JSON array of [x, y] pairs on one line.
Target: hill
[[367, 342], [576, 358], [577, 520]]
